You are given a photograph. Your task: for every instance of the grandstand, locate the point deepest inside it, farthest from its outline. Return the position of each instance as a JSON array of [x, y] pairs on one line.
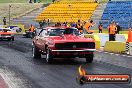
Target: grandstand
[[119, 11], [24, 1], [67, 11]]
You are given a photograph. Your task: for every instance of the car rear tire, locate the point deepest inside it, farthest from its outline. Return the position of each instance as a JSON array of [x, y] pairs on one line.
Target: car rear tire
[[89, 58], [36, 53], [49, 57]]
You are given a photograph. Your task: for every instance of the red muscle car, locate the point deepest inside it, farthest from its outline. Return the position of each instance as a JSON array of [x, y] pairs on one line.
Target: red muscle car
[[57, 42]]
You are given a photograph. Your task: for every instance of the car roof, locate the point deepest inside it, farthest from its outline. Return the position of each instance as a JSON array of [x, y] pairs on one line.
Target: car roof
[[61, 27], [5, 28]]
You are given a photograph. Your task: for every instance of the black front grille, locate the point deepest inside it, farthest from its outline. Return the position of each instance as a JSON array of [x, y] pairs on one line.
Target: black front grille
[[67, 45], [5, 34]]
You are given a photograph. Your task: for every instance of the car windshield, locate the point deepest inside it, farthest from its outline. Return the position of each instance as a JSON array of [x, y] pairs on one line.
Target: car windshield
[[4, 29], [60, 31], [38, 30]]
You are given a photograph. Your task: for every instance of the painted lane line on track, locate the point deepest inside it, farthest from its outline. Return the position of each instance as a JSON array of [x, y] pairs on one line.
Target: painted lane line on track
[[99, 51], [105, 52], [111, 53], [129, 56], [3, 84], [123, 55], [117, 54]]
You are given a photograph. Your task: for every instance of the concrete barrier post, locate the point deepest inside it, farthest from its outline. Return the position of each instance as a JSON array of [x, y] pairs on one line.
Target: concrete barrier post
[[127, 48], [130, 48], [115, 46]]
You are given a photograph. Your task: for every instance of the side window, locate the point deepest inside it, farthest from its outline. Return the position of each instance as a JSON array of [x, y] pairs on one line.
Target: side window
[[37, 31], [43, 33], [76, 32]]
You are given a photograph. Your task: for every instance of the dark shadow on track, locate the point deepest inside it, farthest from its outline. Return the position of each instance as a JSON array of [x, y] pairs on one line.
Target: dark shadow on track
[[61, 61]]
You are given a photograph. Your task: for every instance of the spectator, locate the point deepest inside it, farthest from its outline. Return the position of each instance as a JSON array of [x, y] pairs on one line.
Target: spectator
[[118, 28], [48, 22], [31, 28], [39, 1], [43, 23], [96, 1], [79, 26], [100, 28], [30, 1], [35, 1], [68, 24], [31, 31], [73, 24], [4, 20], [58, 24], [87, 25], [112, 31], [53, 1], [64, 24], [40, 24]]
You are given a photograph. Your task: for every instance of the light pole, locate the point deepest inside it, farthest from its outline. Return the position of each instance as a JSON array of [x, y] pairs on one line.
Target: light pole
[[9, 13]]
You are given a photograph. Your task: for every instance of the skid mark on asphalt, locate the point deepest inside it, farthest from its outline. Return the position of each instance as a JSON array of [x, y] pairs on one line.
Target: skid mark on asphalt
[[62, 74], [114, 59], [3, 83], [55, 75], [11, 80], [115, 70]]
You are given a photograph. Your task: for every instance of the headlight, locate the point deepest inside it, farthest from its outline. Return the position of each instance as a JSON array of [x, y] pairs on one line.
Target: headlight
[[51, 42]]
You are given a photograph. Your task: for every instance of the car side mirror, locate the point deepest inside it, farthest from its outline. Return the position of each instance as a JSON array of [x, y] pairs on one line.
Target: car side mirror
[[81, 35], [61, 34], [46, 34]]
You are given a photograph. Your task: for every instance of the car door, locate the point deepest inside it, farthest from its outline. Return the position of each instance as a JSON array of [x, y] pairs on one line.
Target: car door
[[42, 39], [37, 40]]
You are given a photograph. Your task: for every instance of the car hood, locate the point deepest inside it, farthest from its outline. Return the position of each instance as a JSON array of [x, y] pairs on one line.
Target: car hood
[[69, 38], [7, 33]]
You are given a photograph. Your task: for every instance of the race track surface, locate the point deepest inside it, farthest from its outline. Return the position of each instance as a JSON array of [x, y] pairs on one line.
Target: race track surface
[[20, 70]]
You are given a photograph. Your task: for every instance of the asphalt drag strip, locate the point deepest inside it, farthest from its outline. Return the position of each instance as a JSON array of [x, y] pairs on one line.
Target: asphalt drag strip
[[2, 83], [36, 73], [21, 44], [9, 79]]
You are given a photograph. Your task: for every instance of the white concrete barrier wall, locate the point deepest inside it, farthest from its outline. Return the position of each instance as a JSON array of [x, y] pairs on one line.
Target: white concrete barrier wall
[[1, 26], [121, 37], [105, 37]]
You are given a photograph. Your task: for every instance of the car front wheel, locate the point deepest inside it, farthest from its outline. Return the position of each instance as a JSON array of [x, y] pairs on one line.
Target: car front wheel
[[89, 58], [36, 53], [49, 58], [13, 39]]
